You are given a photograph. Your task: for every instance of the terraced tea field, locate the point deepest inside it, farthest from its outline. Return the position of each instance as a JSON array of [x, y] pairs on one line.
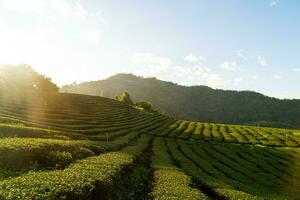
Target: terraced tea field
[[71, 146]]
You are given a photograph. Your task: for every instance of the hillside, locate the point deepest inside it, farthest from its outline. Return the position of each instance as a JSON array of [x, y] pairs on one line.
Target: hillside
[[71, 146], [199, 103]]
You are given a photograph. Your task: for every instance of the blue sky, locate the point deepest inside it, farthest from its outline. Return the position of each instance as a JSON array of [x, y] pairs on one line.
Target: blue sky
[[233, 44]]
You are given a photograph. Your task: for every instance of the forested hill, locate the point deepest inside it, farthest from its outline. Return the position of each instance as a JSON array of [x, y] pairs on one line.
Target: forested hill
[[199, 103]]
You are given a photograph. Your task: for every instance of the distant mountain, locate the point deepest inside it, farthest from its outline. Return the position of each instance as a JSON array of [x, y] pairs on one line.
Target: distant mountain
[[199, 103]]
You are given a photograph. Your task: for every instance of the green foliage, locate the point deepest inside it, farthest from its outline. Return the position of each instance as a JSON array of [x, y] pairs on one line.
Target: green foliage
[[61, 158], [232, 134], [83, 180], [23, 79], [174, 184], [17, 153], [144, 104], [199, 103], [84, 147], [169, 181], [17, 130], [215, 177], [137, 184], [124, 98]]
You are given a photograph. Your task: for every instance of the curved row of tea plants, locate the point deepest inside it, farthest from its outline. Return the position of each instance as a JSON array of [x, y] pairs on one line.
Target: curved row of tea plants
[[182, 129], [169, 181], [83, 180]]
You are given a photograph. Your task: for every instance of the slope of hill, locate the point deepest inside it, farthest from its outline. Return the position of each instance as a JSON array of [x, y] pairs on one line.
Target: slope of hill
[[71, 146], [198, 103]]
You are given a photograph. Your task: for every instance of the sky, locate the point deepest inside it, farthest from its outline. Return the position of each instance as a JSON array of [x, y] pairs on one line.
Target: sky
[[232, 44]]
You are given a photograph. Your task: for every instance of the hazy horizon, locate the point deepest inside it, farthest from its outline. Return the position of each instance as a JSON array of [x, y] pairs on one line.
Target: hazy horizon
[[177, 84], [250, 45]]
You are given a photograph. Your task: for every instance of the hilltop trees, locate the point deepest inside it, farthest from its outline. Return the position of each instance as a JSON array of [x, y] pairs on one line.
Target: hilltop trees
[[43, 83], [144, 104], [124, 98], [24, 79]]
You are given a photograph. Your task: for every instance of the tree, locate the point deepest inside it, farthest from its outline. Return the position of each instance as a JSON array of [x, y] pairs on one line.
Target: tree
[[124, 98], [144, 104], [23, 78], [44, 84]]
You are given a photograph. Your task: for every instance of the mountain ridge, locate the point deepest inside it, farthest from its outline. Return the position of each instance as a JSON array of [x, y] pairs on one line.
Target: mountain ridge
[[200, 103]]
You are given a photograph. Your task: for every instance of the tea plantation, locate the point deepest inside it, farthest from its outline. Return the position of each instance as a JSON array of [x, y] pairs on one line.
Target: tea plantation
[[69, 146]]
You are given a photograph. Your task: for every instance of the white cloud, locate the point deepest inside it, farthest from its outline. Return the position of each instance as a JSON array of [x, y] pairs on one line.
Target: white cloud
[[65, 8], [194, 59], [215, 80], [150, 59], [22, 6], [287, 96], [191, 58], [255, 77], [158, 65], [229, 65], [2, 23], [262, 60], [161, 67], [274, 3], [55, 13], [191, 71], [207, 69], [237, 81], [296, 69], [240, 53], [92, 36], [194, 75], [69, 8], [276, 76], [182, 71]]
